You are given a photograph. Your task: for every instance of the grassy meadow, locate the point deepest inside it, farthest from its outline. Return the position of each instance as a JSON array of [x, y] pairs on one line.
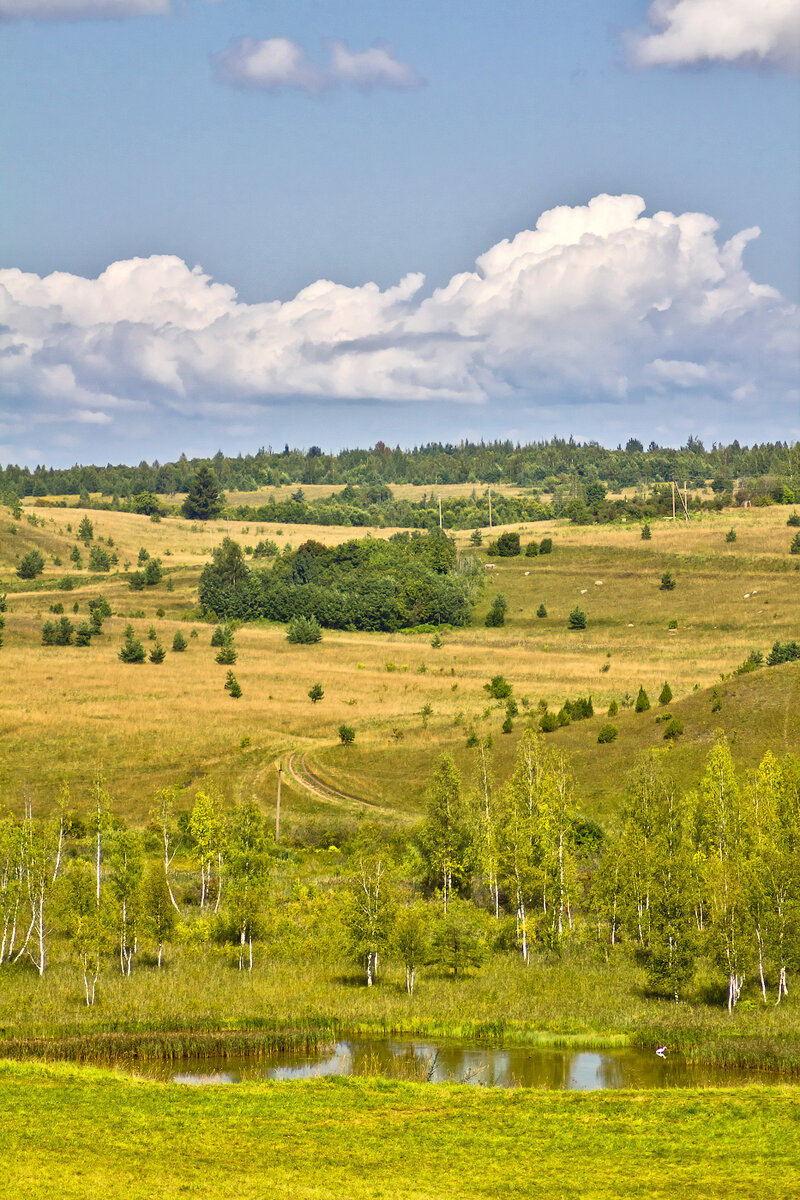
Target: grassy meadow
[[96, 1132], [70, 711]]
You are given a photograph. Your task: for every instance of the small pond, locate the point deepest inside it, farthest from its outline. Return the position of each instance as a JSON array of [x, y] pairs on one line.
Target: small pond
[[438, 1062]]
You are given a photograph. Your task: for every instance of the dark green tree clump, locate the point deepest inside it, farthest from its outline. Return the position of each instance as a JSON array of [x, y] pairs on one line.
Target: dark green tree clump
[[496, 615], [370, 583], [673, 729], [541, 611], [347, 735], [608, 733], [665, 695], [316, 693], [667, 582], [794, 519], [304, 631], [508, 545], [132, 649], [30, 565], [179, 642], [646, 533], [794, 548], [577, 618], [158, 653], [85, 531], [730, 536], [642, 701], [99, 559], [498, 687], [204, 500]]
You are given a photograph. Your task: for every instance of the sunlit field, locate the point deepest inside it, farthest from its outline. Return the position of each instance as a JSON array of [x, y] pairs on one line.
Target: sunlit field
[[70, 712]]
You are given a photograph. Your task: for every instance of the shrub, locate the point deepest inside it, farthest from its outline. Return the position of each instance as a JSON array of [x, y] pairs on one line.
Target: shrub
[[57, 609], [730, 536], [476, 538], [794, 519], [548, 722], [436, 641], [580, 709], [142, 556], [667, 582], [673, 624], [136, 581], [99, 559], [151, 633], [179, 642], [673, 729], [235, 691], [66, 584], [665, 695], [642, 701], [75, 557], [31, 565], [646, 533], [546, 546], [577, 618], [783, 652], [496, 615], [498, 687], [152, 572], [607, 734], [220, 636], [132, 649], [508, 545], [49, 634], [85, 531], [613, 708], [347, 735], [508, 724], [795, 546], [99, 605], [64, 631], [316, 693], [227, 655], [532, 550], [83, 634], [304, 631], [716, 701], [541, 611], [158, 653]]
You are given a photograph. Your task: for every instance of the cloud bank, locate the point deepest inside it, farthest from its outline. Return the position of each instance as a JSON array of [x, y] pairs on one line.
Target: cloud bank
[[76, 10], [685, 32], [279, 64], [597, 304]]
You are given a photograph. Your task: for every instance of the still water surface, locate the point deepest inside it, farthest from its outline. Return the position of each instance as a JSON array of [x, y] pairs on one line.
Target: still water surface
[[562, 1070]]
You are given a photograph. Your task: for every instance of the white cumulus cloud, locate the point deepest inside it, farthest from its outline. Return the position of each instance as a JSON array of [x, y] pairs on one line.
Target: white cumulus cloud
[[277, 64], [684, 32], [597, 304]]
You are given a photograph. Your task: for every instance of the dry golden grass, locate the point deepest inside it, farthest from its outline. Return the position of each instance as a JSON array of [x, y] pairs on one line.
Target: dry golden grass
[[66, 712]]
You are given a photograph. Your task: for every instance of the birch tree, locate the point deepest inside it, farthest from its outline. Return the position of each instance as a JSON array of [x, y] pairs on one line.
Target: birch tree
[[208, 831], [723, 830], [162, 813], [368, 913], [85, 923], [125, 881], [247, 846], [157, 910], [446, 837], [100, 824]]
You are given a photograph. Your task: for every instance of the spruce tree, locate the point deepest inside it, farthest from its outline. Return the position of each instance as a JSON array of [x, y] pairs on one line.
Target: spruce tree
[[158, 653], [665, 695], [316, 693], [178, 642], [132, 649], [642, 701], [204, 500]]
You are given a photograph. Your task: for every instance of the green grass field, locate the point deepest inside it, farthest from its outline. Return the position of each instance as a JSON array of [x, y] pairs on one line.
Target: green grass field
[[73, 711], [79, 1132]]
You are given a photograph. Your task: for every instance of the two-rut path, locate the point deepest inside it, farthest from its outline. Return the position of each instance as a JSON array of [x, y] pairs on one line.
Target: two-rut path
[[301, 773]]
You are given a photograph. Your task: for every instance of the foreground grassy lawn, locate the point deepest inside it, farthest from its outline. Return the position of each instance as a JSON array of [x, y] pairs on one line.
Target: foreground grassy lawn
[[84, 1132]]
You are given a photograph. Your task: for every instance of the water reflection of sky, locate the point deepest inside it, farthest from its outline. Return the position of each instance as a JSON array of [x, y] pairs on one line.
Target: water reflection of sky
[[549, 1069]]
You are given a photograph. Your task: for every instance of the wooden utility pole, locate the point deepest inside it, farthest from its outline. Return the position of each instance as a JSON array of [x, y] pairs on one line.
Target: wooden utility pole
[[278, 806], [672, 482]]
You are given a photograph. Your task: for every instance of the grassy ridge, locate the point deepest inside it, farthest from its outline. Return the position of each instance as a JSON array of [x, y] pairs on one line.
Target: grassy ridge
[[71, 710], [99, 1133]]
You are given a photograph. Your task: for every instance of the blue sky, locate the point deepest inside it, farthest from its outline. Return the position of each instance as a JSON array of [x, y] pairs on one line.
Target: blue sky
[[278, 145]]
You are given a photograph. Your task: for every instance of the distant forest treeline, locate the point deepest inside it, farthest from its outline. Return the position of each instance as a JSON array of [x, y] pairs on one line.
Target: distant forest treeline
[[554, 466]]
